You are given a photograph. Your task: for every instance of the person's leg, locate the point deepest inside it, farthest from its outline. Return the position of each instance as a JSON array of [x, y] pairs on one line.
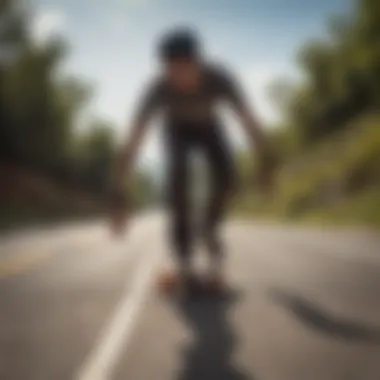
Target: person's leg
[[222, 176], [180, 223]]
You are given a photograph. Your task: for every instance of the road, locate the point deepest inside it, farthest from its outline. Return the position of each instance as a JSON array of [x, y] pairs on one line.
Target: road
[[77, 304]]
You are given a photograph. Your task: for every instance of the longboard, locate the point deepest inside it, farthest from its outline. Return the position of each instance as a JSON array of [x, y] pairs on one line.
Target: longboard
[[170, 284]]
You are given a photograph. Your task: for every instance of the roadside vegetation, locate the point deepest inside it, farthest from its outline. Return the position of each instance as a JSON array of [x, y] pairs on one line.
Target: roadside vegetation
[[329, 139]]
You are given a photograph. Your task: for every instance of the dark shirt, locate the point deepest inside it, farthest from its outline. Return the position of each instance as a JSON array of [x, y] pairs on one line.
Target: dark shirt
[[196, 108]]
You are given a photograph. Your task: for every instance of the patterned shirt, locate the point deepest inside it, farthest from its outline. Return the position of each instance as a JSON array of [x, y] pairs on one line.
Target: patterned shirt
[[195, 108]]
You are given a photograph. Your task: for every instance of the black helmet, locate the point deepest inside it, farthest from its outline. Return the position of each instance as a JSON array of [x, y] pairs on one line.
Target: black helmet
[[179, 43]]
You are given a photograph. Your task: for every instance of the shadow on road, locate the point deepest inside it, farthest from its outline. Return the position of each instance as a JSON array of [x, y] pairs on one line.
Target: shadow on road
[[323, 322], [210, 354]]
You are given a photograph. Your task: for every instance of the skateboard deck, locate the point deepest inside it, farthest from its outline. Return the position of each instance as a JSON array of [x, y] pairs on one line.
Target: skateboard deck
[[170, 283]]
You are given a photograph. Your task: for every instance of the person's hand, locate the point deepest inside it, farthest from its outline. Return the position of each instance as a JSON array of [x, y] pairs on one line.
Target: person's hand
[[118, 217], [118, 221]]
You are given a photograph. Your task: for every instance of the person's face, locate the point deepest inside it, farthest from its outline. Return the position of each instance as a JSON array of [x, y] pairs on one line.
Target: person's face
[[183, 74]]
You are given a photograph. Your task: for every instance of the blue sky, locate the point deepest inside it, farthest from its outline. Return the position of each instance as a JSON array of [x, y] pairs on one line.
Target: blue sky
[[112, 42]]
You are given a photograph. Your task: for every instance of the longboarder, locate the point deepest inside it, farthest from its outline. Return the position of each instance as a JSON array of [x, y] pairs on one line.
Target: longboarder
[[188, 91]]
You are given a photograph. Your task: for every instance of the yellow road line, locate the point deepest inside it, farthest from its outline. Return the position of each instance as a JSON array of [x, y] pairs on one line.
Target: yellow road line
[[21, 263]]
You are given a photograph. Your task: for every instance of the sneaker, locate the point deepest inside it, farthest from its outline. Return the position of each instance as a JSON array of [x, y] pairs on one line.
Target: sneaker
[[177, 283], [169, 282], [216, 285]]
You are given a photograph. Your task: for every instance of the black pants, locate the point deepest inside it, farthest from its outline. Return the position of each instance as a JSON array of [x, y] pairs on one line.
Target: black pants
[[181, 141]]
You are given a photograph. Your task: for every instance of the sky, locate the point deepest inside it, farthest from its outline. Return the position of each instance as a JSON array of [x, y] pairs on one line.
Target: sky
[[112, 44]]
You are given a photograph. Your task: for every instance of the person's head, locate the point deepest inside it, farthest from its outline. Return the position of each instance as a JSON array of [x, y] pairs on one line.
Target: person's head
[[180, 54]]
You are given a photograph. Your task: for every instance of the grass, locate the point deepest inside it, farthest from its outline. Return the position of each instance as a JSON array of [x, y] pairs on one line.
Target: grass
[[336, 183]]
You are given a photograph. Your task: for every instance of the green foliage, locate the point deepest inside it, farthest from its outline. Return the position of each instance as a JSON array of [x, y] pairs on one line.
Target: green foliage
[[39, 110], [329, 142], [36, 125], [333, 180], [342, 76]]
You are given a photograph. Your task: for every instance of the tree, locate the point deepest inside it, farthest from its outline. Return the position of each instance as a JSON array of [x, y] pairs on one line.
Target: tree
[[40, 107], [342, 76], [94, 154]]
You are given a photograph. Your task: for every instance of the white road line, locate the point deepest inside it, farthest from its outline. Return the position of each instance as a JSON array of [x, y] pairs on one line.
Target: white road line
[[115, 337]]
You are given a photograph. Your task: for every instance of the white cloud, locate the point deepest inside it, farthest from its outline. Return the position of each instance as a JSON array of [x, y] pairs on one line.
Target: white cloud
[[46, 24]]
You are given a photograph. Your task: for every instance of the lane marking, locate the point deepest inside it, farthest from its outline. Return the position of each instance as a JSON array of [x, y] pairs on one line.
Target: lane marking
[[21, 263], [117, 334], [25, 260]]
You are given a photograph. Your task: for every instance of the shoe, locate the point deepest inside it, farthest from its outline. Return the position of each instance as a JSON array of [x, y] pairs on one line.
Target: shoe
[[216, 285], [169, 282], [176, 283]]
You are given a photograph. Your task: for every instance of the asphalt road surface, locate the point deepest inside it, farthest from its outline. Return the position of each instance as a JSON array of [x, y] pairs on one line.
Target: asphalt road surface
[[77, 304]]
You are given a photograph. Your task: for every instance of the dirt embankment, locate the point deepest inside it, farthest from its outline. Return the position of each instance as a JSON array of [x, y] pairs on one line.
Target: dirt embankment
[[26, 196]]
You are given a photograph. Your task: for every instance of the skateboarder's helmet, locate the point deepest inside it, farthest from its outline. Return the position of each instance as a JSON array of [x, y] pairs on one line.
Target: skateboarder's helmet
[[180, 43]]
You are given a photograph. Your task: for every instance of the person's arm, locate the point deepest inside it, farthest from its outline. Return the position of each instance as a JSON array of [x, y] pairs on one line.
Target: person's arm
[[247, 118], [254, 130], [125, 161], [252, 126], [127, 156]]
